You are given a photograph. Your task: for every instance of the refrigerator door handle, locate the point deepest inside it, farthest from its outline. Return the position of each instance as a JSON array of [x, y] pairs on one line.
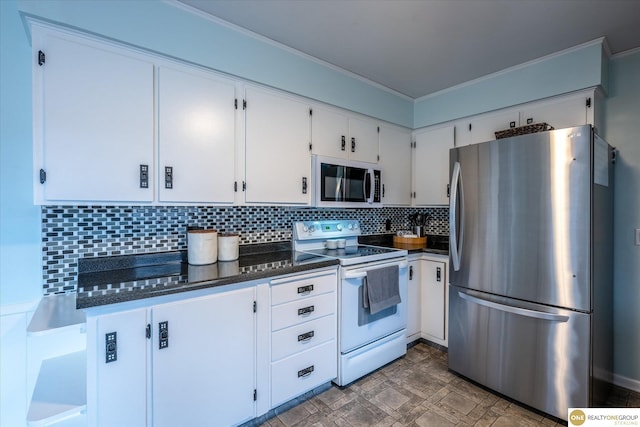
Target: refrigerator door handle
[[456, 248], [514, 310]]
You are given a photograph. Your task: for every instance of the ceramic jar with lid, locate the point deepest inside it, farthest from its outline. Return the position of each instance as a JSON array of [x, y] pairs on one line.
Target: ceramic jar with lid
[[228, 246], [202, 246]]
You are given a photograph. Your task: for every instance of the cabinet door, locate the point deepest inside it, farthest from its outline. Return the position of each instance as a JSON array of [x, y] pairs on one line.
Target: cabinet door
[[483, 127], [205, 373], [278, 160], [196, 121], [117, 381], [395, 164], [363, 140], [463, 132], [93, 114], [414, 301], [559, 113], [431, 166], [330, 133], [434, 281]]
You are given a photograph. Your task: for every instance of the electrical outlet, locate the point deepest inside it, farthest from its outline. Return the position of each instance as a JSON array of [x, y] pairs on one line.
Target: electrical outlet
[[637, 236]]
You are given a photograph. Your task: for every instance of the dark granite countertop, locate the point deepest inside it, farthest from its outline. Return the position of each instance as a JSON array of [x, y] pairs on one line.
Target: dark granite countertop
[[111, 280], [435, 243]]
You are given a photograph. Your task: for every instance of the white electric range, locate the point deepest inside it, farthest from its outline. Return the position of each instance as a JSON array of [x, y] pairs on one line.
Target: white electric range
[[365, 341]]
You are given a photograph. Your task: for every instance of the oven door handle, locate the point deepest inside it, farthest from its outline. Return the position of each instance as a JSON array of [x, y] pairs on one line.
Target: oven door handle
[[360, 273]]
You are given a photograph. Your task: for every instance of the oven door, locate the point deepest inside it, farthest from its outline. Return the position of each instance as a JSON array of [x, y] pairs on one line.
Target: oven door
[[358, 326]]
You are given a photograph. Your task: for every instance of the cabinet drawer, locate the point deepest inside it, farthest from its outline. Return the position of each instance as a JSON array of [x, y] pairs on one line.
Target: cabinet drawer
[[283, 291], [295, 312], [303, 337], [302, 372]]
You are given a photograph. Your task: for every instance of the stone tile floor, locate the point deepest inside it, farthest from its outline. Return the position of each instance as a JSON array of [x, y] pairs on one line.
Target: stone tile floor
[[418, 391]]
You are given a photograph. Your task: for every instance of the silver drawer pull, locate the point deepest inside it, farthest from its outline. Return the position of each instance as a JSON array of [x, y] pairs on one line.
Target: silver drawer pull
[[305, 290], [306, 337], [305, 372], [306, 311]]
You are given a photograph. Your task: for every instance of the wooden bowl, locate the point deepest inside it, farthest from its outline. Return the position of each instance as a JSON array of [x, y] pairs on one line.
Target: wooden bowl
[[402, 242]]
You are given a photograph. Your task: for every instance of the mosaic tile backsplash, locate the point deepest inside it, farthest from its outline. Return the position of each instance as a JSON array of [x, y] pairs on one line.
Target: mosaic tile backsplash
[[73, 232]]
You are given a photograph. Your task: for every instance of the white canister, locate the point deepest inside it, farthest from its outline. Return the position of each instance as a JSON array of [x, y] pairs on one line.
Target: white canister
[[202, 247], [228, 247]]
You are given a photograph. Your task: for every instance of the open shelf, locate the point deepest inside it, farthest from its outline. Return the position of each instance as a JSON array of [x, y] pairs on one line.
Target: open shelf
[[61, 390]]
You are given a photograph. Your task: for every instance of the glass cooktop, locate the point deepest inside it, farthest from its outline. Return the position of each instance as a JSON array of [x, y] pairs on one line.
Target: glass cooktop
[[354, 251]]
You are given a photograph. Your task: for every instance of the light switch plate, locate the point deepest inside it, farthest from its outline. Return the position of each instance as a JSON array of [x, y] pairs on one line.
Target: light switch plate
[[637, 236]]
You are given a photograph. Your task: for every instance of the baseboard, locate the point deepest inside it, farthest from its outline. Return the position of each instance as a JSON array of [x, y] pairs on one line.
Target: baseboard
[[625, 382]]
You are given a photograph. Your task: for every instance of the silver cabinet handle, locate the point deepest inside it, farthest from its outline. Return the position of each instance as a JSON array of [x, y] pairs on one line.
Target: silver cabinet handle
[[514, 310], [306, 371]]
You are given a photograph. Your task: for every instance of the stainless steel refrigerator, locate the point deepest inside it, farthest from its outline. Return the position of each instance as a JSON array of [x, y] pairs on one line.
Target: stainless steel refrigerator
[[531, 267]]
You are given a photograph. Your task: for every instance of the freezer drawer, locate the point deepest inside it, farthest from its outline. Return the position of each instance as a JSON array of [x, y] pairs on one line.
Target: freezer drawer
[[535, 354]]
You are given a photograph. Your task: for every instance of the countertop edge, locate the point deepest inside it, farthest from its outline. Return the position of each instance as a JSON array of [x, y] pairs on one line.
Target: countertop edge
[[133, 295]]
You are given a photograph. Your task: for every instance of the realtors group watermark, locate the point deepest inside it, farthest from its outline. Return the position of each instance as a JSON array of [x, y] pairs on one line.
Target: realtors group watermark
[[600, 417]]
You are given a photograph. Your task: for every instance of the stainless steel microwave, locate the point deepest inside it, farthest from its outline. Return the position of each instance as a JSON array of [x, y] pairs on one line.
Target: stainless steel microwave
[[346, 184]]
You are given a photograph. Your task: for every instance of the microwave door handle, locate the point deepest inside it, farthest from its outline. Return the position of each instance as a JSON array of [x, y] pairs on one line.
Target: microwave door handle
[[368, 187]]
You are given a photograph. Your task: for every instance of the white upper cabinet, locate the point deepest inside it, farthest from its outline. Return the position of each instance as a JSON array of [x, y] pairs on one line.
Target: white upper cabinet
[[395, 158], [363, 140], [93, 121], [196, 136], [277, 154], [431, 166], [564, 112], [485, 126], [335, 133], [560, 112]]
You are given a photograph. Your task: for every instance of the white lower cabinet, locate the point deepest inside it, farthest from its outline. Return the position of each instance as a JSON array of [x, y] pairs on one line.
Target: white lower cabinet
[[205, 374], [414, 300], [428, 300], [303, 334], [194, 364], [434, 300], [117, 380]]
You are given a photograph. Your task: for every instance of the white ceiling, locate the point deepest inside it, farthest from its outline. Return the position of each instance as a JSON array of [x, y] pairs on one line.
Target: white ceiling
[[418, 47]]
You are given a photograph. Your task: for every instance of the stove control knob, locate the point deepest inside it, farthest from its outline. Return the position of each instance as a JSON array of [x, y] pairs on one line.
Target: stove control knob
[[305, 228], [350, 226], [339, 227], [355, 225], [312, 229]]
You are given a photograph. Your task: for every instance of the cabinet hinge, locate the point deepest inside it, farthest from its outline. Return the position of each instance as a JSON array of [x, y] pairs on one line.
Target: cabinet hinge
[[255, 394], [41, 58], [43, 176], [589, 102], [148, 331], [255, 306], [244, 104]]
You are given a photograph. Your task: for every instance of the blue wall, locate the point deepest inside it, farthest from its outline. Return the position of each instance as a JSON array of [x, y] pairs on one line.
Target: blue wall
[[574, 69], [171, 30], [164, 28], [622, 130], [20, 241]]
